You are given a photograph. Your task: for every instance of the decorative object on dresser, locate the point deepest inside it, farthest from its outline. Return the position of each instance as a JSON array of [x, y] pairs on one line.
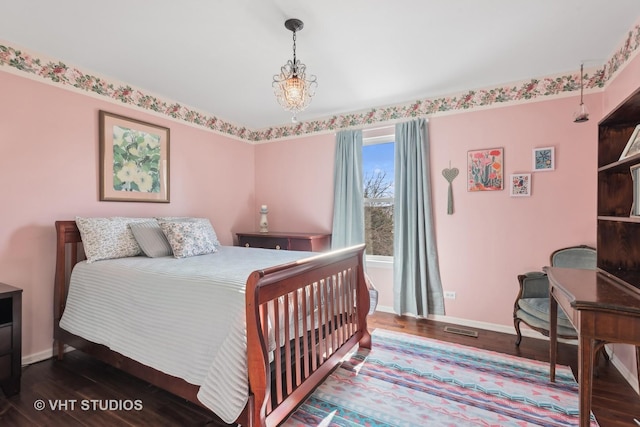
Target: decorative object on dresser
[[264, 222], [10, 339], [314, 242], [134, 160]]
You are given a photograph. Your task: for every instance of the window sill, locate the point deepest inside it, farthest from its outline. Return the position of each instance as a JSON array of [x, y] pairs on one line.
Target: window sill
[[378, 261]]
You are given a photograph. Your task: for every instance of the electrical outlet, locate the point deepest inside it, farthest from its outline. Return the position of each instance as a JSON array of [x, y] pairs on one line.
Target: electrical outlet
[[450, 295]]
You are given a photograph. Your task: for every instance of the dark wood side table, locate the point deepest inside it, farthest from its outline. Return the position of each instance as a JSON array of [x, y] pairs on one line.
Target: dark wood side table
[[314, 242], [10, 339], [601, 310]]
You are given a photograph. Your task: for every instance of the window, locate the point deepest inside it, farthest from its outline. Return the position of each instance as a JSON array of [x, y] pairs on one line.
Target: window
[[378, 171]]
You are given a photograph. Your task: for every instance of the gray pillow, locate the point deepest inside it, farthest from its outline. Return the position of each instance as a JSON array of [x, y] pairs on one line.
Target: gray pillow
[[151, 239]]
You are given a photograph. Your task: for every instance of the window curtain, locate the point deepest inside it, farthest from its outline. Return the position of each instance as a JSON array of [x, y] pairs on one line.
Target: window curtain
[[416, 277], [348, 204]]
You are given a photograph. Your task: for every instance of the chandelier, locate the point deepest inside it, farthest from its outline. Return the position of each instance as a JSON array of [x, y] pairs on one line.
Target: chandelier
[[292, 88], [581, 115]]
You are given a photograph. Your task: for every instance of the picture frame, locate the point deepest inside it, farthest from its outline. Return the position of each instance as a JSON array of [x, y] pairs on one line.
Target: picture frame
[[633, 145], [520, 185], [485, 169], [544, 159], [635, 177], [134, 160]]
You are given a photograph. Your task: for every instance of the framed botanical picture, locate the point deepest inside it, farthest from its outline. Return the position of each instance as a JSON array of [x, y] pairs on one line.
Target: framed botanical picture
[[485, 169], [134, 160], [520, 185], [633, 145], [544, 159]]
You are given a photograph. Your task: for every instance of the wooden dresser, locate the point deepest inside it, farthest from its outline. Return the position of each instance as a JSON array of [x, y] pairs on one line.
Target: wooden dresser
[[10, 339], [314, 242]]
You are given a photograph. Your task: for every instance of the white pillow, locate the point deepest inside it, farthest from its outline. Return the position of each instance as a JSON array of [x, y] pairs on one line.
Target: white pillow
[[151, 239], [107, 238], [205, 221], [187, 238]]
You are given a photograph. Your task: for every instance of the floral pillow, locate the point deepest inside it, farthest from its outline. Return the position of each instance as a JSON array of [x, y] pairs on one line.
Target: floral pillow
[[187, 238], [204, 221], [108, 238]]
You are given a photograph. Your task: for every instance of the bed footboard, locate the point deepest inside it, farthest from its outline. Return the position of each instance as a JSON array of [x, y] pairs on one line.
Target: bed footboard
[[318, 306]]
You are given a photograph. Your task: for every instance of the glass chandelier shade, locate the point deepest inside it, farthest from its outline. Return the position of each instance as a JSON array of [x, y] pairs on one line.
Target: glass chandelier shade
[[292, 87]]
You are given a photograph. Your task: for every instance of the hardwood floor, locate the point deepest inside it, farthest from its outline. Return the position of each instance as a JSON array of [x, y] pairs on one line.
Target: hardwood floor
[[81, 382]]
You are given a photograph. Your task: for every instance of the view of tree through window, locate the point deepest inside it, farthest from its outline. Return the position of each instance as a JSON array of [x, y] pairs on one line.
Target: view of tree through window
[[378, 170]]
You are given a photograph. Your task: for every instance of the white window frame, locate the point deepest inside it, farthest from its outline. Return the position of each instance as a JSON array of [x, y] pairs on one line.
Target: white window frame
[[379, 136]]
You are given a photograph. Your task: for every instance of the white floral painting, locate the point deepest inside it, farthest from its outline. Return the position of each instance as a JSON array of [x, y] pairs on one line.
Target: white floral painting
[[134, 160]]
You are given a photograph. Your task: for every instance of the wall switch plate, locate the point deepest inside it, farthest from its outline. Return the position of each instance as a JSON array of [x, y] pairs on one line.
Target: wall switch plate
[[450, 295]]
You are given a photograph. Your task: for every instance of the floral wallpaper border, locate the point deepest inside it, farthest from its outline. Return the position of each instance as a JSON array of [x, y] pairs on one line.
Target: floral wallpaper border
[[65, 75]]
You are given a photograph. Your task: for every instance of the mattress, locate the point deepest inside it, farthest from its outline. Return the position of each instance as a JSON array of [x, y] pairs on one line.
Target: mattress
[[184, 317]]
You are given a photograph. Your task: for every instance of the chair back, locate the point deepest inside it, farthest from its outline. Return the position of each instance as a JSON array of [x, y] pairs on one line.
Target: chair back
[[582, 256]]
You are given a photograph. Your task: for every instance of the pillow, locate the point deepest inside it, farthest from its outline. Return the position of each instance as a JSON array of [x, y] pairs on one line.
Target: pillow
[[187, 238], [205, 221], [108, 238], [151, 239]]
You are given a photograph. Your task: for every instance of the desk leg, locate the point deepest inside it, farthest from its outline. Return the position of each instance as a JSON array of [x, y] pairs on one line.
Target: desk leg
[[553, 337], [585, 377]]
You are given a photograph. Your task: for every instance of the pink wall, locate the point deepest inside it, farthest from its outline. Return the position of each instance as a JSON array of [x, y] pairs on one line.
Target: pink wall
[[294, 178], [49, 172]]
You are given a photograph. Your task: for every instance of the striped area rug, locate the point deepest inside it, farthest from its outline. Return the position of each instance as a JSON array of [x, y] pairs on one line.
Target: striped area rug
[[414, 381]]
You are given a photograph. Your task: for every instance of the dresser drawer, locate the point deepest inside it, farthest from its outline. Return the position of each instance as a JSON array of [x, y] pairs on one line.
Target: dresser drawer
[[264, 242], [5, 339]]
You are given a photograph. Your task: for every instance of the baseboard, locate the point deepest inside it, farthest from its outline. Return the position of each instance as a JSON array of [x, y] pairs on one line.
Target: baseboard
[[42, 355], [631, 378]]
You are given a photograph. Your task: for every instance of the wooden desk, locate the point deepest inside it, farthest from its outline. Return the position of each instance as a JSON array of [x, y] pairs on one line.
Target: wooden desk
[[601, 310]]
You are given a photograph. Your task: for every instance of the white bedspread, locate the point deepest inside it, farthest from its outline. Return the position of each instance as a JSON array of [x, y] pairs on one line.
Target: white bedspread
[[184, 317]]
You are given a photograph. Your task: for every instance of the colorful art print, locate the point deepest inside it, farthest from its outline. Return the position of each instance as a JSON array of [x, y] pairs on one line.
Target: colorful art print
[[544, 159], [134, 160], [485, 170], [520, 185]]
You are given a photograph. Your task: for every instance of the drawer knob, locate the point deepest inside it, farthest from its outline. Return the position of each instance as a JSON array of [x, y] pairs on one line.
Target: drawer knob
[[277, 246], [246, 245]]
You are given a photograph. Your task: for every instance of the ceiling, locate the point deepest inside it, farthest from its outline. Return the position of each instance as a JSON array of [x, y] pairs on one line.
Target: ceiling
[[220, 56]]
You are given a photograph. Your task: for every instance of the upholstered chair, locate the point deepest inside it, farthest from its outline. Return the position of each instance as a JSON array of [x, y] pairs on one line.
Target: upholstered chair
[[532, 303]]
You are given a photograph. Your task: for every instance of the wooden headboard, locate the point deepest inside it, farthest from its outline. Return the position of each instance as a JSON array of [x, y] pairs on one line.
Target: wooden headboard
[[68, 254]]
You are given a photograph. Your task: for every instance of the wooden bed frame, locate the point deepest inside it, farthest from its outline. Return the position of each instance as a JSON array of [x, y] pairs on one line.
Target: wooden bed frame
[[333, 281]]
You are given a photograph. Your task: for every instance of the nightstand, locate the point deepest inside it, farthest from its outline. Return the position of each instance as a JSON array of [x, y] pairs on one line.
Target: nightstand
[[314, 242], [10, 339]]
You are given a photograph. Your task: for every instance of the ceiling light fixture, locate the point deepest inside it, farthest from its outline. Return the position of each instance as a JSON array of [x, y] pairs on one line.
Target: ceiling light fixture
[[292, 88], [582, 114]]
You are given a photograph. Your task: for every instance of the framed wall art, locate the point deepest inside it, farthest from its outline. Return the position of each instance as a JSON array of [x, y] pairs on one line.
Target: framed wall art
[[633, 145], [485, 169], [520, 185], [134, 160], [544, 159]]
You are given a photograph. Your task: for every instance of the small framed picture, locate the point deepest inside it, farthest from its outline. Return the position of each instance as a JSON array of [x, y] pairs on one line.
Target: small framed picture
[[520, 185], [633, 145], [544, 159], [635, 175]]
